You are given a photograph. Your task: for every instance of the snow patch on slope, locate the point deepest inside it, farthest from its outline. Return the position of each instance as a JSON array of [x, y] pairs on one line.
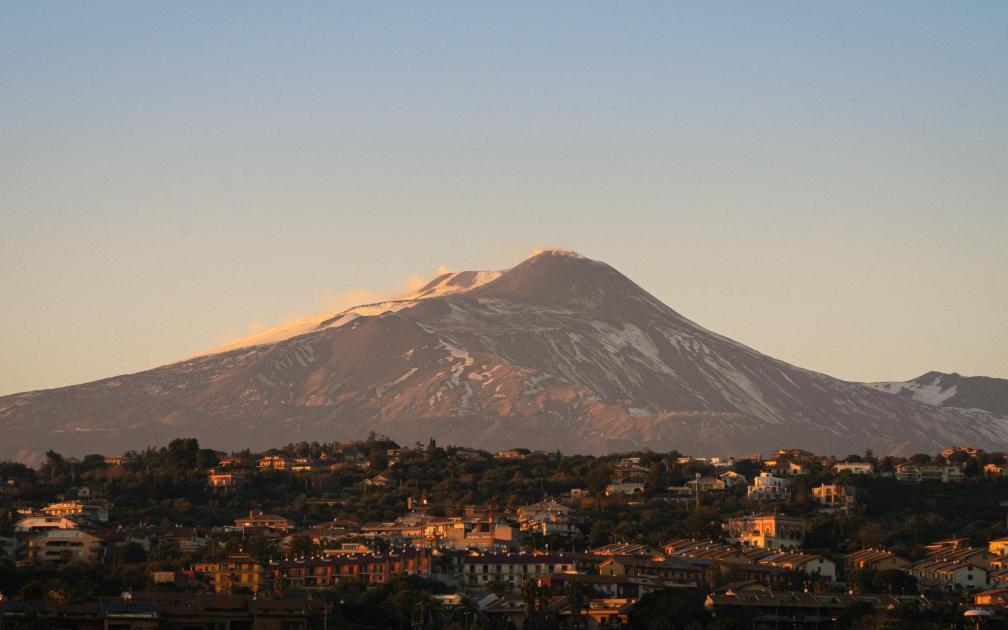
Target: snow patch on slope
[[453, 283], [930, 394]]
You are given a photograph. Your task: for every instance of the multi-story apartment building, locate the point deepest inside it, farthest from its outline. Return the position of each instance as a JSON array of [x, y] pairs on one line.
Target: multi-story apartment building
[[367, 567], [238, 573], [64, 546], [512, 568], [834, 496]]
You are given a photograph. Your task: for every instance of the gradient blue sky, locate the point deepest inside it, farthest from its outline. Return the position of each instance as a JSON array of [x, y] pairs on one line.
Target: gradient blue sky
[[827, 183]]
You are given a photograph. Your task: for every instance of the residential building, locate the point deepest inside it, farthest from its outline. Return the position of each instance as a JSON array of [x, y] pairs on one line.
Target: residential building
[[512, 568], [767, 487], [767, 531], [624, 489], [380, 480], [305, 464], [929, 472], [224, 481], [997, 596], [796, 454], [41, 522], [875, 559], [95, 511], [994, 470], [368, 568], [259, 520], [599, 613], [789, 468], [714, 551], [624, 549], [793, 609], [607, 585], [679, 571], [950, 575], [998, 546], [511, 454], [706, 484], [629, 469], [274, 462], [968, 450], [482, 534], [808, 563], [64, 546], [240, 572], [854, 468], [834, 496], [732, 479]]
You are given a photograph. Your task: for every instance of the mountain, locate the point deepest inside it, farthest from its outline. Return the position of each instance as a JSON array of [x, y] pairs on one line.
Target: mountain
[[559, 352], [953, 390]]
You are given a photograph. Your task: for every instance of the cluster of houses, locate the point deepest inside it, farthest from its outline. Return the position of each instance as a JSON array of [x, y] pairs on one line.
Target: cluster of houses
[[753, 566]]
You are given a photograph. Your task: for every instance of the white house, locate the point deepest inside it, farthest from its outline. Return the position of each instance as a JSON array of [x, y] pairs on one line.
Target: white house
[[810, 564], [732, 478], [767, 487]]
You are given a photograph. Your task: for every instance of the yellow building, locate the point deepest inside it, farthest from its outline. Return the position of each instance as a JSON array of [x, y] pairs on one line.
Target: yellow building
[[767, 531], [237, 573], [998, 546]]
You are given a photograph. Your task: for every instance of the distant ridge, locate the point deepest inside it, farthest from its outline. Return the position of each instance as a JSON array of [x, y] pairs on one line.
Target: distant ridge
[[953, 390]]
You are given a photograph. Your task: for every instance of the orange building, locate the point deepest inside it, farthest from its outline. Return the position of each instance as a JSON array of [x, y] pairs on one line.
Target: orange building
[[237, 573]]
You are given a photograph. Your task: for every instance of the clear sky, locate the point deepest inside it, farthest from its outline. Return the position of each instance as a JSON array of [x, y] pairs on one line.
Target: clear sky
[[825, 182]]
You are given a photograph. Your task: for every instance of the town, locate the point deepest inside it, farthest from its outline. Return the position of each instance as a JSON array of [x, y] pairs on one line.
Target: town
[[373, 534]]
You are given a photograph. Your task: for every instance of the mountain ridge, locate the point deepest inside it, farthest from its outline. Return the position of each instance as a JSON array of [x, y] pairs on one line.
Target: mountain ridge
[[952, 390]]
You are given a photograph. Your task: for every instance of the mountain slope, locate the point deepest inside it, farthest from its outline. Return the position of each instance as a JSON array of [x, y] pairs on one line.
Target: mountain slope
[[953, 390], [557, 352]]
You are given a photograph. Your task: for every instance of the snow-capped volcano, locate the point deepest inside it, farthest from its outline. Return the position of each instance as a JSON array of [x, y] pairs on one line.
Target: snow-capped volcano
[[558, 352]]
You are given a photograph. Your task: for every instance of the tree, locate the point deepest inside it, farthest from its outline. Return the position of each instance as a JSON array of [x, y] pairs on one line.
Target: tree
[[598, 478], [377, 459], [54, 464], [656, 478], [130, 553], [182, 453], [600, 532]]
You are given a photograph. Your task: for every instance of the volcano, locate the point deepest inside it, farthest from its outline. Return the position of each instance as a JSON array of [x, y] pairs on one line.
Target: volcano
[[559, 352]]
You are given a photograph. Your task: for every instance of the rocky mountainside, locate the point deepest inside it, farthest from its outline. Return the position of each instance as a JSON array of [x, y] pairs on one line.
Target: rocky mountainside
[[953, 390], [559, 352]]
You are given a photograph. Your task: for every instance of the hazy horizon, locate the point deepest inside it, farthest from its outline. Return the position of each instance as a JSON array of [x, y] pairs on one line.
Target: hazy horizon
[[825, 184]]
